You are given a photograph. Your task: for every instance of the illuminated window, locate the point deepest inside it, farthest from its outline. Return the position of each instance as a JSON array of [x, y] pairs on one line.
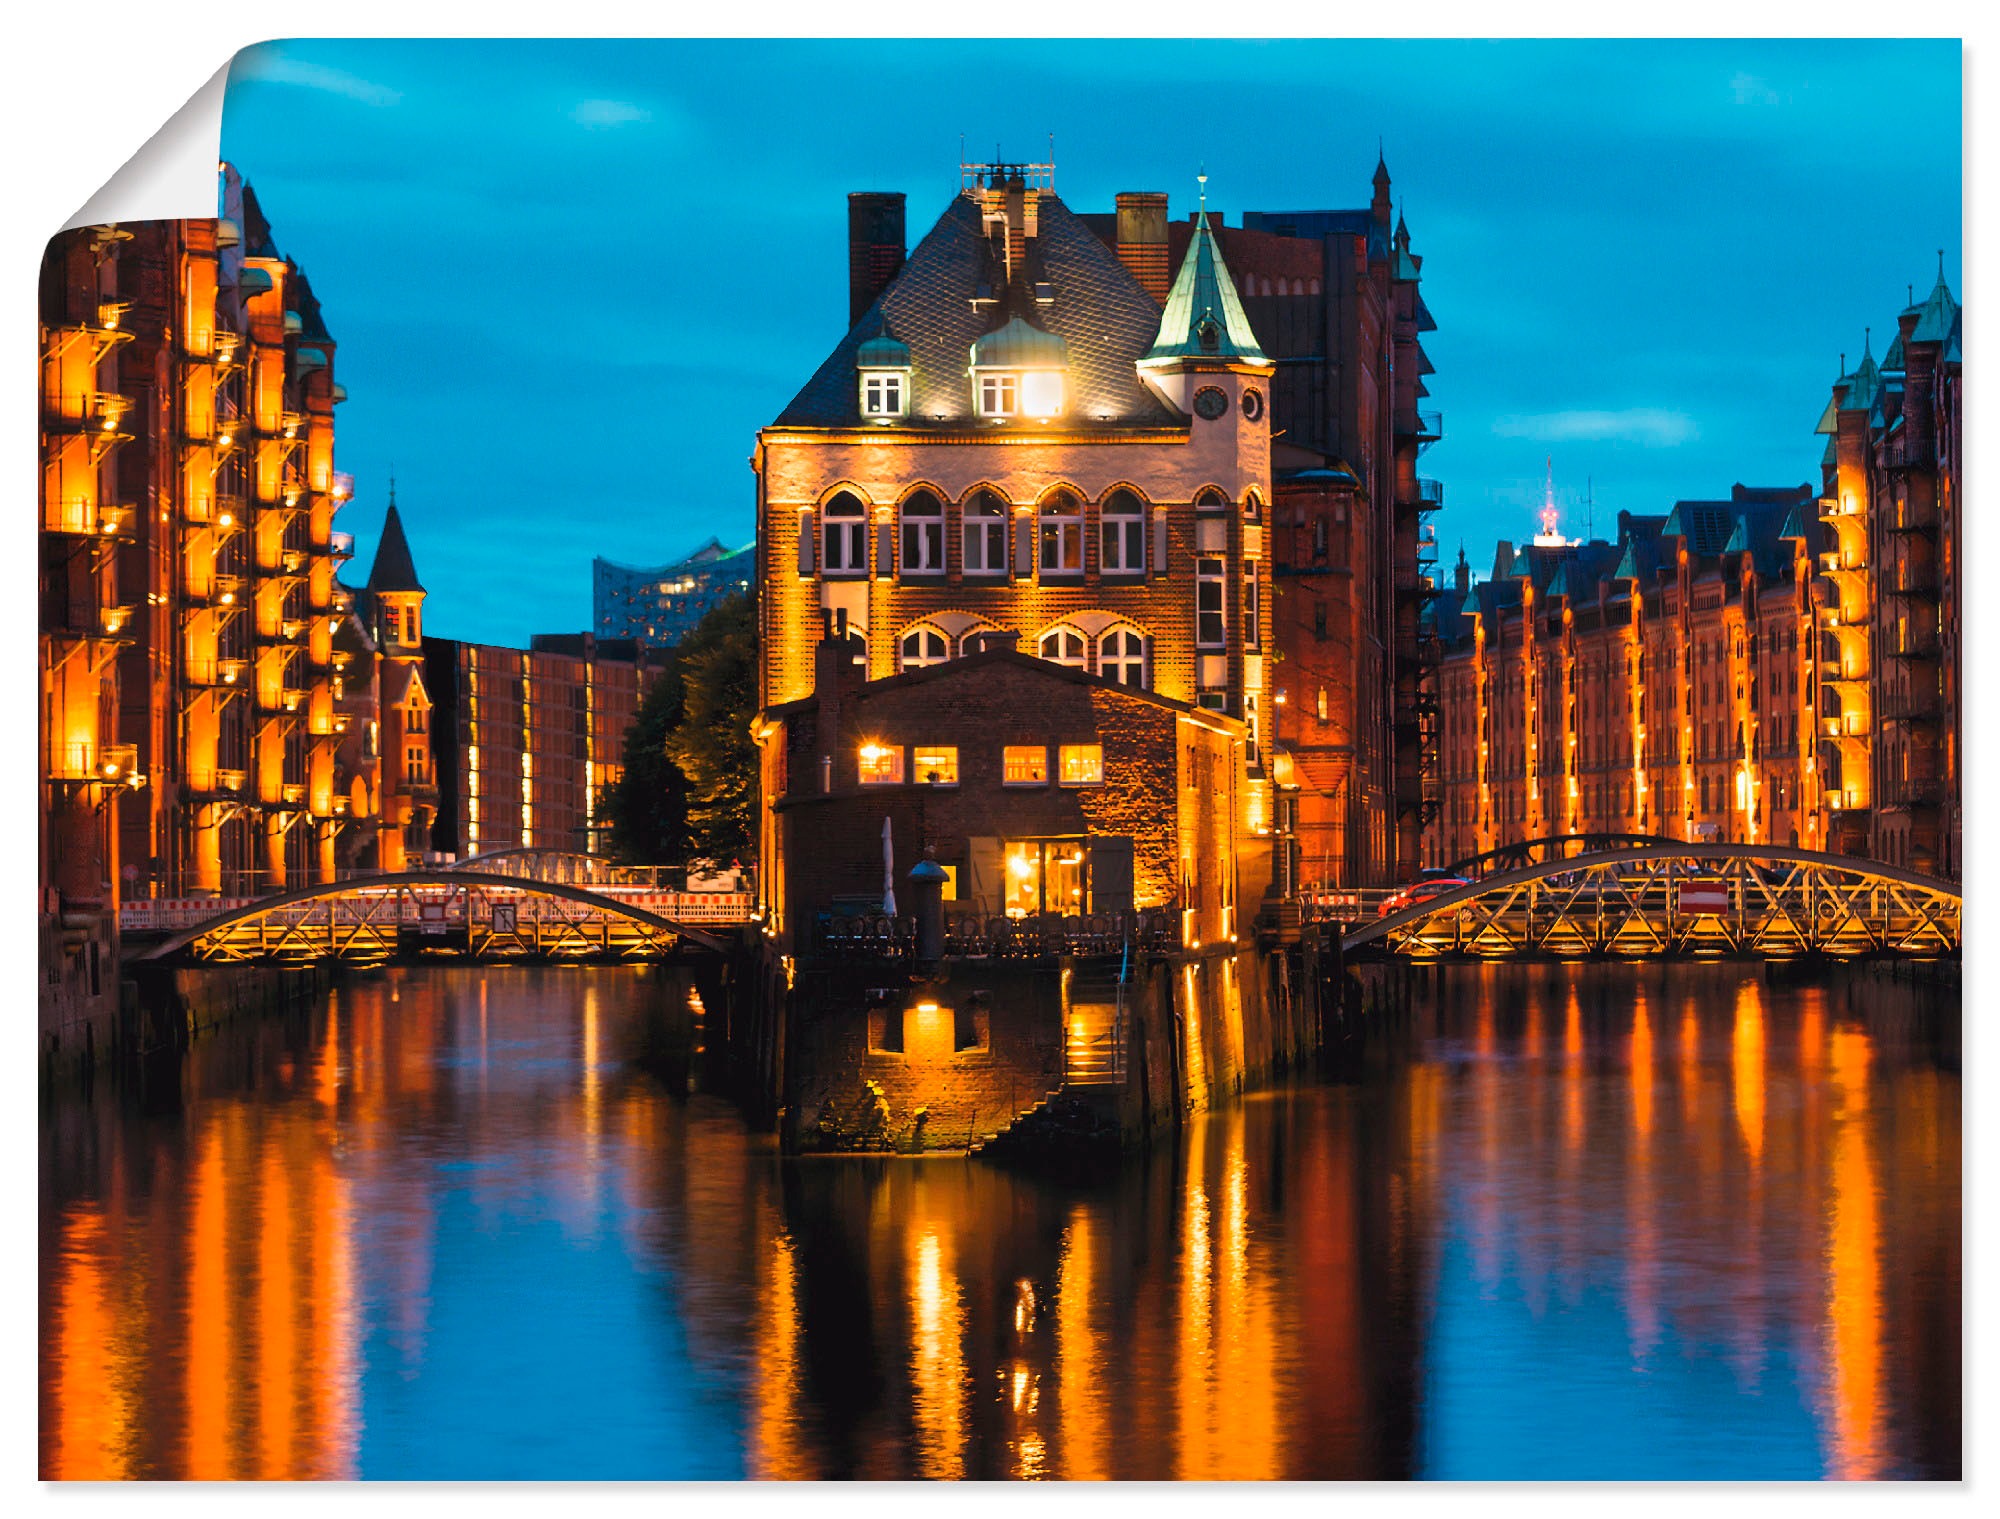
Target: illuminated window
[[1122, 549], [1121, 656], [882, 393], [1082, 765], [923, 535], [985, 535], [937, 765], [999, 395], [1024, 765], [1063, 646], [881, 764], [846, 551], [1210, 621], [924, 646], [1042, 393], [1062, 535]]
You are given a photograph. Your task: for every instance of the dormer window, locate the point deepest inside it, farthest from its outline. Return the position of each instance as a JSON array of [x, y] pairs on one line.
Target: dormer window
[[882, 393], [884, 367], [1018, 372]]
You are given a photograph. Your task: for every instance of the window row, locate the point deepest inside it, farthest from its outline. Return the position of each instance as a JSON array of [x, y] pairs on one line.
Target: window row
[[1020, 764], [1053, 540]]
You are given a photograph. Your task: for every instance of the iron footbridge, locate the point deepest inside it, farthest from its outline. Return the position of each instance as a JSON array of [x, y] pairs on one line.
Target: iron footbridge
[[1664, 901], [439, 914]]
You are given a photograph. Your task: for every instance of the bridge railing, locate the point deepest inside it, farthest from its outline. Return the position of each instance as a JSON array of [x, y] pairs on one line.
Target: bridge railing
[[170, 914], [968, 936]]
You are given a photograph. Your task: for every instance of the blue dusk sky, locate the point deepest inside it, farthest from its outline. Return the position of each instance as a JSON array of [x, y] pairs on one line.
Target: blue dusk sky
[[570, 280]]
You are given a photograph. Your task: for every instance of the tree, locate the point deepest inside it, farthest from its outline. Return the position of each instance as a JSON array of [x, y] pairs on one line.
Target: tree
[[690, 779], [647, 804], [711, 744]]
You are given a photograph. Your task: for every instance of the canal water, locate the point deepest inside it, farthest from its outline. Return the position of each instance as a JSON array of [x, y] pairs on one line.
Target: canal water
[[1554, 1223]]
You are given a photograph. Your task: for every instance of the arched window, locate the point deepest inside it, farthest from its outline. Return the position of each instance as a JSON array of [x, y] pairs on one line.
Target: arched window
[[985, 534], [1063, 646], [1122, 528], [923, 534], [846, 548], [923, 646], [1209, 499], [1121, 656], [1253, 506], [1062, 535]]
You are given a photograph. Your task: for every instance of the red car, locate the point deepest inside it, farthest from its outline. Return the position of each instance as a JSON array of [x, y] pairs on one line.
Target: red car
[[1428, 885]]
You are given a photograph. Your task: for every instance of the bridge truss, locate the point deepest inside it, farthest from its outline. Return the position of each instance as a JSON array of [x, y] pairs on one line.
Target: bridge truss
[[434, 914], [1724, 900]]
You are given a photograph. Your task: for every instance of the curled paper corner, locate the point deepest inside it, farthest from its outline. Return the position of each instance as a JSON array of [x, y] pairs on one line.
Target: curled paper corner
[[172, 176]]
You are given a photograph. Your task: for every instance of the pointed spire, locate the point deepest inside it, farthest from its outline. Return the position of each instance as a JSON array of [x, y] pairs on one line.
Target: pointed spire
[[1204, 317], [1940, 311], [1381, 164], [393, 569]]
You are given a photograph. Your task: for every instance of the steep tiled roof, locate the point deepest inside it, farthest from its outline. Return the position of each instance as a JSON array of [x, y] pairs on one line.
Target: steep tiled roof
[[1098, 310]]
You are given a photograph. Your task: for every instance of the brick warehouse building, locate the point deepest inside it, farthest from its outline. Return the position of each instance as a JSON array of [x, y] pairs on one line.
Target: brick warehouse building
[[1019, 443], [1334, 299], [1781, 667], [1096, 480], [190, 689]]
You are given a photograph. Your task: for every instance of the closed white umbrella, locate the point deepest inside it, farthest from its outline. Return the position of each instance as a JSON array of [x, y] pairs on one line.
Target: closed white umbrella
[[888, 871]]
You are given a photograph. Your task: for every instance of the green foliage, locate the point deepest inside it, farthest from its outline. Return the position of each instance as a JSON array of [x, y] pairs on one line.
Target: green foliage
[[690, 781], [712, 744]]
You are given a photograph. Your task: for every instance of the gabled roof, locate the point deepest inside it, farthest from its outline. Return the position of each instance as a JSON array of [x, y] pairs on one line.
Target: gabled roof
[[1939, 314], [1204, 317], [1099, 311], [393, 569]]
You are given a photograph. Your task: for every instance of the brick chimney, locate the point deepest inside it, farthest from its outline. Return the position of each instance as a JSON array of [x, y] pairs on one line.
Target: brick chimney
[[1142, 240], [874, 246], [839, 670]]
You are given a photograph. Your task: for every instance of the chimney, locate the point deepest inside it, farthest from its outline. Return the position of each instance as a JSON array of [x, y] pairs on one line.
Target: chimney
[[1142, 240], [838, 672], [874, 246]]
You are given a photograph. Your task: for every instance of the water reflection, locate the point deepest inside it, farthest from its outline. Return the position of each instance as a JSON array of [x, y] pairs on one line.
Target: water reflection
[[1568, 1224]]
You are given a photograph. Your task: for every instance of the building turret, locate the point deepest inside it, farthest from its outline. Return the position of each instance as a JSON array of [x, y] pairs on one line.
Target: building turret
[[1203, 327], [394, 588]]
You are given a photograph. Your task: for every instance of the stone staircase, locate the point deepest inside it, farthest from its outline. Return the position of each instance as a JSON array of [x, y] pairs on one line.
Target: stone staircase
[[1094, 1040], [981, 1142]]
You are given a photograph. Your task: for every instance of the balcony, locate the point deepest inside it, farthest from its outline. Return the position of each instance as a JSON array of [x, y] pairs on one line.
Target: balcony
[[1916, 585], [1430, 495], [1921, 521], [294, 795], [1850, 800], [96, 413], [1845, 725], [1913, 646], [340, 545], [232, 781], [116, 621], [1430, 426], [118, 764]]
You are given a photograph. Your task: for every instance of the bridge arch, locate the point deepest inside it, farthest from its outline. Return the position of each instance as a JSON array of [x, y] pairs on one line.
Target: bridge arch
[[1525, 852], [1754, 900], [375, 930]]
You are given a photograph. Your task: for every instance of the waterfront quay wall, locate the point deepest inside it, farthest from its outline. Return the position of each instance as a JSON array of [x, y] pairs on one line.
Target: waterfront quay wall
[[140, 1010], [882, 1057]]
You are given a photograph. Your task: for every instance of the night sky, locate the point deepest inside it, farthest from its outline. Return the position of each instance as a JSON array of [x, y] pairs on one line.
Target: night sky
[[570, 280]]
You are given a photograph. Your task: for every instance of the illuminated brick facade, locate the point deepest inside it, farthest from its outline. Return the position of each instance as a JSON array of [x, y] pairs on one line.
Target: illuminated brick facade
[[188, 558], [1096, 480]]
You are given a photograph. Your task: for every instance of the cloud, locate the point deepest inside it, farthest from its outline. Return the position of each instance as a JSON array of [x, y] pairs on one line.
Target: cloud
[[268, 66], [597, 114], [1648, 426], [1751, 89]]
